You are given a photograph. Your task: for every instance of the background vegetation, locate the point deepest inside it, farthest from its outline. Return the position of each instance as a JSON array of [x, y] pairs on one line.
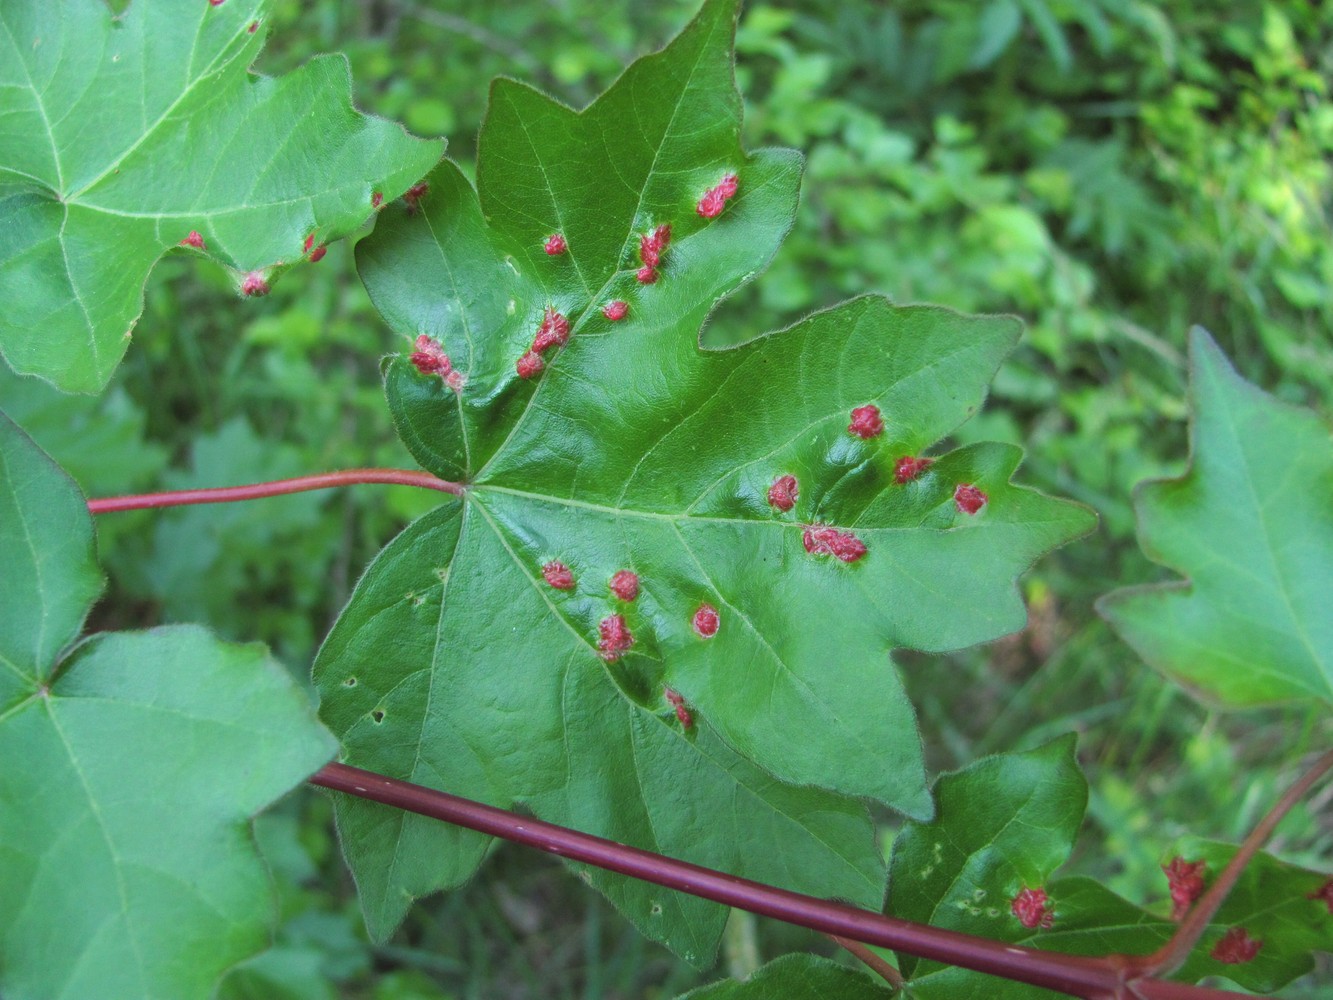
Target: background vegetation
[[1113, 171]]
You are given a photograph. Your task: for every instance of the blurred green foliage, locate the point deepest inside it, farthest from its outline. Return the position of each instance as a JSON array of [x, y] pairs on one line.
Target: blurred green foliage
[[1111, 170]]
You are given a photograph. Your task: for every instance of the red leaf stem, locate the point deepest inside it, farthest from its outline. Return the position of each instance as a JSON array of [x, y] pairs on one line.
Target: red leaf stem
[[278, 487]]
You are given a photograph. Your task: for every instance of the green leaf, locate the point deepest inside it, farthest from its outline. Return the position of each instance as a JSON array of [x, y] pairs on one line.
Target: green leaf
[[128, 769], [51, 577], [1006, 823], [1002, 825], [1090, 920], [998, 24], [1279, 904], [795, 977], [636, 450], [537, 726], [1251, 527], [104, 446], [281, 973], [123, 133]]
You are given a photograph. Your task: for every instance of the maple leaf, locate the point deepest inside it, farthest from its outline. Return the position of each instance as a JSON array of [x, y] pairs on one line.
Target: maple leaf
[[758, 641], [254, 173], [1251, 525], [1006, 823], [130, 764]]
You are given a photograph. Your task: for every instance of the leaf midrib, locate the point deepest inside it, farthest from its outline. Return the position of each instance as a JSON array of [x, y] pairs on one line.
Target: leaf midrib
[[211, 70], [1279, 576], [674, 519], [41, 106], [95, 811]]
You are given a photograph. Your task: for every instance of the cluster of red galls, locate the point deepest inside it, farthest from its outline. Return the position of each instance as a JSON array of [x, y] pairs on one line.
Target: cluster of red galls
[[1186, 883], [652, 248], [553, 331], [614, 637], [430, 359], [819, 539]]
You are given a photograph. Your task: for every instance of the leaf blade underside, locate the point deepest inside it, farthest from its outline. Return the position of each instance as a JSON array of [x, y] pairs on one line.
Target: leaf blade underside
[[129, 770], [1249, 525]]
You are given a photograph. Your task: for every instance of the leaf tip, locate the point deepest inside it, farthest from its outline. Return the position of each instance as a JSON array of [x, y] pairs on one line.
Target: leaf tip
[[255, 284]]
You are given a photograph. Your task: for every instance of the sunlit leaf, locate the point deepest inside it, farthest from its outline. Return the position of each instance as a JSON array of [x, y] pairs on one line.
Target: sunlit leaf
[[127, 134], [751, 491]]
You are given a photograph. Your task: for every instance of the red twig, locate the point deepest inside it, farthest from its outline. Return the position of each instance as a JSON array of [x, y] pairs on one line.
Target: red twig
[[1173, 954], [1090, 978], [226, 494]]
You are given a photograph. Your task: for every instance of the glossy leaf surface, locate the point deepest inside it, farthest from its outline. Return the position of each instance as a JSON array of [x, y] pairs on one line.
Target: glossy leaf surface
[[635, 450], [1251, 526], [964, 869], [93, 195], [1006, 823], [129, 767], [543, 727]]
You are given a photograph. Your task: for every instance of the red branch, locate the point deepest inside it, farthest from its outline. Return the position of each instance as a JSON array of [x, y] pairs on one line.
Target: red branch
[[226, 494], [1090, 978]]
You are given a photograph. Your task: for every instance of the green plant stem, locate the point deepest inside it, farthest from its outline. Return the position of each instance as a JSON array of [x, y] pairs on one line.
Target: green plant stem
[[1173, 954], [278, 487], [740, 945], [1090, 978]]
